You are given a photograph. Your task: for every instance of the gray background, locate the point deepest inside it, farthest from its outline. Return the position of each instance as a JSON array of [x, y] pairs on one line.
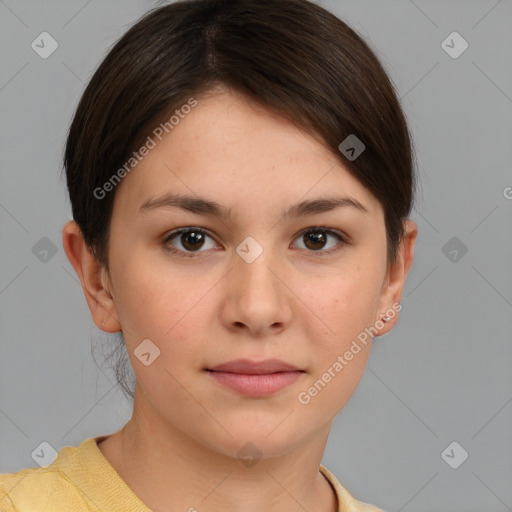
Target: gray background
[[442, 375]]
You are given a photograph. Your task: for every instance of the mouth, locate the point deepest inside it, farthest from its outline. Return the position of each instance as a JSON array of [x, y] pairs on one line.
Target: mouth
[[255, 379]]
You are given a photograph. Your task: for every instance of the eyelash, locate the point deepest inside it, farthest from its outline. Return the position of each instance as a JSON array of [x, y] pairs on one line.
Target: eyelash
[[320, 253]]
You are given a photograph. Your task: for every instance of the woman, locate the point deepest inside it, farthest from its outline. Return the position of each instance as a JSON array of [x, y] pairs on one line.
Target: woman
[[240, 174]]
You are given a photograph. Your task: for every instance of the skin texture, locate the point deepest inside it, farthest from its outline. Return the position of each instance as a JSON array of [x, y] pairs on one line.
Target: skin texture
[[179, 449]]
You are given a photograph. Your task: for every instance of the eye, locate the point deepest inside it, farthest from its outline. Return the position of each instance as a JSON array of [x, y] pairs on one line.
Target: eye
[[316, 238], [190, 239], [193, 239]]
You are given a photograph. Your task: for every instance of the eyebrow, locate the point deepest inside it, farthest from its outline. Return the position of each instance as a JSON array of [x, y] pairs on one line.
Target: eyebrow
[[203, 206]]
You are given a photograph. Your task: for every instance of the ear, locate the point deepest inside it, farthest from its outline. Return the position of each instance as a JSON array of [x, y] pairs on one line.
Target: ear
[[93, 278], [395, 279]]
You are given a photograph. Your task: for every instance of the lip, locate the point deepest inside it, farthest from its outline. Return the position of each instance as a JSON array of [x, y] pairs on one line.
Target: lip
[[255, 367], [255, 378]]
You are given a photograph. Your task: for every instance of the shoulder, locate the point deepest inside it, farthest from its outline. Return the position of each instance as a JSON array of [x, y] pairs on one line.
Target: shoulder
[[6, 504], [44, 489], [80, 479], [361, 506], [35, 489], [347, 503]]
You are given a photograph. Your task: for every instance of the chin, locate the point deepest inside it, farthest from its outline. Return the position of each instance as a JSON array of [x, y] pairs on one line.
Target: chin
[[254, 443]]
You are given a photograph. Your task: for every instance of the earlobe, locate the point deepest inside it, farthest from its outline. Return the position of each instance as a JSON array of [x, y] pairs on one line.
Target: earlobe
[[93, 278]]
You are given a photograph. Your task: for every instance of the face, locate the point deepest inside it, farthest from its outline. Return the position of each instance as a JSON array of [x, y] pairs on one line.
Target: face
[[269, 280]]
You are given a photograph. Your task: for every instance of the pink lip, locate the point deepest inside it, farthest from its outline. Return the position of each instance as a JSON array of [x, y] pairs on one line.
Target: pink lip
[[255, 379], [255, 367]]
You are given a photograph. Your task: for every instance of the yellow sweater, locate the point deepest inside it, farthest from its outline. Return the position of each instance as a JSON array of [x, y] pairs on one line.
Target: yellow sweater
[[81, 479]]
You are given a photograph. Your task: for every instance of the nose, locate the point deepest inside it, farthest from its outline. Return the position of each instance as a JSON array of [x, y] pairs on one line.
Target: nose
[[257, 296]]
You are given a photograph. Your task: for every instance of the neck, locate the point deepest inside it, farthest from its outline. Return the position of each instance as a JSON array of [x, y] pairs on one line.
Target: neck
[[169, 470]]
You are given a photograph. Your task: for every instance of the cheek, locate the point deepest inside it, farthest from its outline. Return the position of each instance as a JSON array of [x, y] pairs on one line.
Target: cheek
[[342, 305], [151, 297], [157, 309], [340, 309], [169, 308]]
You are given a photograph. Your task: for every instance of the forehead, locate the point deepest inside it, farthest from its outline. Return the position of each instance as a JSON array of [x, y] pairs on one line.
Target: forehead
[[238, 153]]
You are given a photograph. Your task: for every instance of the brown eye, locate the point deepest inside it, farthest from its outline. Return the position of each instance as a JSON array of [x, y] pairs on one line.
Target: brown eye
[[191, 241], [316, 239]]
